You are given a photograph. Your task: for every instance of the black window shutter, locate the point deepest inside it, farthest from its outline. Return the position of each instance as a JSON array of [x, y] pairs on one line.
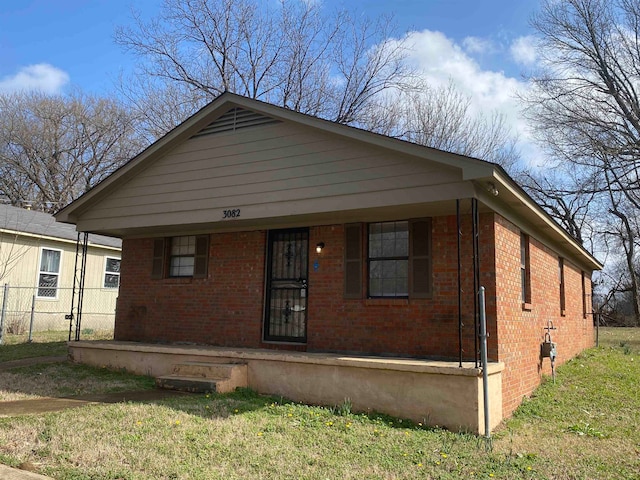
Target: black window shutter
[[201, 259], [157, 270], [353, 261], [420, 276]]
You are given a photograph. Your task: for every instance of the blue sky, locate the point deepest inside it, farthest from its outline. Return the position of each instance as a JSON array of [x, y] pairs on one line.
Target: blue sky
[[76, 36], [483, 47]]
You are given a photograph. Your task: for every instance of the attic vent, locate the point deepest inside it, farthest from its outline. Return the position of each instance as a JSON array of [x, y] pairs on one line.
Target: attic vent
[[235, 119]]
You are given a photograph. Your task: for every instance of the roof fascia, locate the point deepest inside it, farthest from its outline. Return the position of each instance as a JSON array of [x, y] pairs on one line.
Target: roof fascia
[[57, 239], [471, 167], [505, 181], [68, 214]]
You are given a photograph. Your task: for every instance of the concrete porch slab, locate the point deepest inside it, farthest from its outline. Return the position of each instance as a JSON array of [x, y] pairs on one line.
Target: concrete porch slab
[[433, 392]]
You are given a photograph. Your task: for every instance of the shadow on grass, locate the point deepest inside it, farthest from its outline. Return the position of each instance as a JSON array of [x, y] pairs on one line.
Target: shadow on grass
[[246, 400], [67, 380], [35, 349]]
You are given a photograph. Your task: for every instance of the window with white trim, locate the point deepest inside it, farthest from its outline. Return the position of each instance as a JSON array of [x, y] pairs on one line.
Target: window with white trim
[[49, 273], [185, 256], [182, 256], [111, 272]]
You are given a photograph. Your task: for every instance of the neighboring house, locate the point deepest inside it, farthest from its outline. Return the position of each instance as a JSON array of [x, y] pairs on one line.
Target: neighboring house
[[336, 263], [37, 262]]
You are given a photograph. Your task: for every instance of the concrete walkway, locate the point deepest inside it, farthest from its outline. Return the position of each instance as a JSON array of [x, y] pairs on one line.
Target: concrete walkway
[[55, 404], [8, 473]]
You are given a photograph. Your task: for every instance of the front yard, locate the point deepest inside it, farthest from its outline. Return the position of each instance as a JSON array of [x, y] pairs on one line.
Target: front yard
[[583, 426]]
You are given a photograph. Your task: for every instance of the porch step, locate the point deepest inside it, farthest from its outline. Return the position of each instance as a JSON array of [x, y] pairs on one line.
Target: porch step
[[202, 377]]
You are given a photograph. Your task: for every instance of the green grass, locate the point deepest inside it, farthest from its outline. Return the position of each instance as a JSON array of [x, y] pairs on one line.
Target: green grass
[[27, 350], [64, 380], [582, 427], [46, 343]]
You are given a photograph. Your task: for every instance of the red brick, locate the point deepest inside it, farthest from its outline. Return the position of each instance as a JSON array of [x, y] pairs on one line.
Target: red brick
[[226, 308]]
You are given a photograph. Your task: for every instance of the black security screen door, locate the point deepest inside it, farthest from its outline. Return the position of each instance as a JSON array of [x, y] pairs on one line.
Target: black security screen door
[[287, 270]]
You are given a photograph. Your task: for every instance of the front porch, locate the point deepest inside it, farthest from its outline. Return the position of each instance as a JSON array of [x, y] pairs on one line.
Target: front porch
[[433, 392]]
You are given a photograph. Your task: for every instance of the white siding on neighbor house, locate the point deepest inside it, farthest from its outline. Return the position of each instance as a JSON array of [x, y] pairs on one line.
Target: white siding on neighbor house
[[22, 253], [269, 171], [20, 267]]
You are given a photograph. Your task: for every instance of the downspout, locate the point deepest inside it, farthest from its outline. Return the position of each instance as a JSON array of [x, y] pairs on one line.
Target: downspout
[[459, 234], [485, 364]]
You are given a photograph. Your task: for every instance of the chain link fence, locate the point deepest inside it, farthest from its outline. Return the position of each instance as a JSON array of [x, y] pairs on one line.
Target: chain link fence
[[41, 314]]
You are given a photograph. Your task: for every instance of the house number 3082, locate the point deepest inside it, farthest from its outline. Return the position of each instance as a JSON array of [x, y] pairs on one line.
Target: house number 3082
[[231, 213]]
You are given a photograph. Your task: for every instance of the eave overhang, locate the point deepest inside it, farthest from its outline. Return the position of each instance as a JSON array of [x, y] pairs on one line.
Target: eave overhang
[[512, 201]]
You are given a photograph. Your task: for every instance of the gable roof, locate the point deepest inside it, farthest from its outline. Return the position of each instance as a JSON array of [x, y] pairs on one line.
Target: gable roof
[[21, 221], [230, 112]]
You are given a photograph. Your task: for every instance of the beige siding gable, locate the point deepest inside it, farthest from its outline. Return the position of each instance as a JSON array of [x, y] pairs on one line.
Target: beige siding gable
[[265, 170]]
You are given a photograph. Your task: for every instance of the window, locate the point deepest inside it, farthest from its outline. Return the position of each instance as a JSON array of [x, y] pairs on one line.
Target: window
[[185, 256], [389, 259], [111, 272], [49, 273], [525, 271], [398, 256], [181, 257], [561, 281]]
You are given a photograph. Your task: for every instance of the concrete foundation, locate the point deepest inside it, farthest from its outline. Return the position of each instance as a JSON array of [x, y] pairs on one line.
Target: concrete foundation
[[432, 392]]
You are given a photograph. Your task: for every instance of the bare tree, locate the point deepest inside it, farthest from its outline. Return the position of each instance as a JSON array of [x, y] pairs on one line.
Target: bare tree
[[290, 54], [54, 148], [567, 196], [342, 67], [442, 117], [586, 108]]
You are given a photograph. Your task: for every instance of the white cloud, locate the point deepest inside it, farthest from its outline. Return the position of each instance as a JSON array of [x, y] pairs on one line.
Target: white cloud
[[523, 50], [42, 77], [440, 61], [478, 45]]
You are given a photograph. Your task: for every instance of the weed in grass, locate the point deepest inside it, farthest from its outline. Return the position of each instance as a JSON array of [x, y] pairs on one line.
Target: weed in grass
[[586, 429], [344, 408]]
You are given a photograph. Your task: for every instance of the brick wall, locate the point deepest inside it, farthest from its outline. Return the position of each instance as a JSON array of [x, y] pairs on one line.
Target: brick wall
[[223, 309], [226, 309], [521, 332], [417, 327]]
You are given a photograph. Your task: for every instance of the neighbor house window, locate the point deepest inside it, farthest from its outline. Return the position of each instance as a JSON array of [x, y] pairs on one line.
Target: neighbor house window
[[525, 271], [185, 256], [398, 256], [561, 282], [389, 259], [112, 272], [49, 274]]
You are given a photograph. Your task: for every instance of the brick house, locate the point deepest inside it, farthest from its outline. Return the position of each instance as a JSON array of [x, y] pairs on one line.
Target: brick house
[[335, 263]]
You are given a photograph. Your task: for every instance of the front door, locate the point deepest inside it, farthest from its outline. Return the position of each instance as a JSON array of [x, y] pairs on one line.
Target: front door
[[285, 316]]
